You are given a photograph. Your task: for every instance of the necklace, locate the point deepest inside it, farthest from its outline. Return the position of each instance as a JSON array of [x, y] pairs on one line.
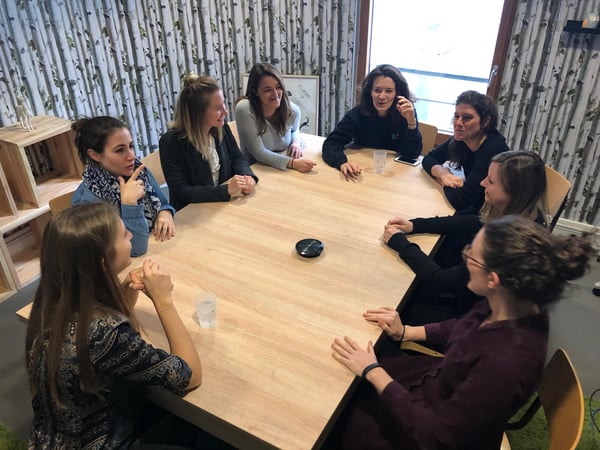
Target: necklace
[[213, 159]]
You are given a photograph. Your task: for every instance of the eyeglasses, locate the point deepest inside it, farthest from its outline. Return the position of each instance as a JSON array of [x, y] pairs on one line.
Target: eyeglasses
[[466, 256]]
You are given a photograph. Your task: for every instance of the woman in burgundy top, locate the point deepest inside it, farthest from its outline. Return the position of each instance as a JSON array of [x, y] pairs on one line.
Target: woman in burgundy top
[[494, 356]]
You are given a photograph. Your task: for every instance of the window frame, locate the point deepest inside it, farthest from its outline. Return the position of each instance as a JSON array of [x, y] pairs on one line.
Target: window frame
[[365, 20]]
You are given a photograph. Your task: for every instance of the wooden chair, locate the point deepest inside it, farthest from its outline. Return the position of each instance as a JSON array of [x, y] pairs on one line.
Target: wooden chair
[[558, 188], [152, 162], [61, 202], [234, 131], [416, 347], [561, 397], [559, 393], [429, 133]]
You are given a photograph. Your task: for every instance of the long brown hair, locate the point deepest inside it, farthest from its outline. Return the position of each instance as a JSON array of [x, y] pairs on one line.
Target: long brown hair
[[281, 115], [190, 111], [77, 281], [523, 178]]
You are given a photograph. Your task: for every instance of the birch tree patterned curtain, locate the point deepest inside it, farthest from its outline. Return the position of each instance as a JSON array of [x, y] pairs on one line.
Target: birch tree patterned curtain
[[549, 100], [126, 58]]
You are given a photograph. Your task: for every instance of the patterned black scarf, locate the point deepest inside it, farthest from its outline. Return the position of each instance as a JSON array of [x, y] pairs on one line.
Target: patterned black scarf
[[106, 186]]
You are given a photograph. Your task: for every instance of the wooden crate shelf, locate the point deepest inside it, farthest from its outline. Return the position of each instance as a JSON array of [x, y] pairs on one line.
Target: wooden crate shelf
[[7, 274], [54, 138], [35, 166]]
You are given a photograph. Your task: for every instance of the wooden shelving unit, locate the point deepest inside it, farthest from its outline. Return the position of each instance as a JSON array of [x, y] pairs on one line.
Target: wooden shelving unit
[[35, 166]]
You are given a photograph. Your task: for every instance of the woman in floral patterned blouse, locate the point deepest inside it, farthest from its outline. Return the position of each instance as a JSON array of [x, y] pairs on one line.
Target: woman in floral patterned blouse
[[86, 360]]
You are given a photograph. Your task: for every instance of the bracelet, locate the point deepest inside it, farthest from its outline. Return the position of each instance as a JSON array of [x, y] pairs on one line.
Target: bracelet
[[402, 336], [412, 125], [158, 311], [369, 368]]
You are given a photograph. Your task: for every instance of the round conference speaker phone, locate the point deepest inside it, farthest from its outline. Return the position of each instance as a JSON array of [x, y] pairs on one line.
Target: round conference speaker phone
[[410, 161], [309, 248]]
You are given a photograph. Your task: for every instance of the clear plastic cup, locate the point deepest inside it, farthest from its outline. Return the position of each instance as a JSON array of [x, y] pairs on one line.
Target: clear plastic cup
[[379, 157], [206, 309]]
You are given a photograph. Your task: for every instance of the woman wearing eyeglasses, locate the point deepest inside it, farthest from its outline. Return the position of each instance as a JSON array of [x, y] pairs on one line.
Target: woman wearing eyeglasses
[[515, 184], [493, 357], [460, 163]]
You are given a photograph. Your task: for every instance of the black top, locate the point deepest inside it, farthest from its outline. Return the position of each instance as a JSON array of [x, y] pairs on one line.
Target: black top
[[371, 132], [475, 166], [451, 280], [188, 174]]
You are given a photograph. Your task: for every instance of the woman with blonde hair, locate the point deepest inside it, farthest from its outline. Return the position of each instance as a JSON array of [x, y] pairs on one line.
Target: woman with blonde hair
[[515, 184], [199, 155], [86, 360], [269, 123]]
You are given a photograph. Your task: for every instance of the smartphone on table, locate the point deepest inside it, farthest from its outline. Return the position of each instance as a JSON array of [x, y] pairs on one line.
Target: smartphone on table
[[410, 161]]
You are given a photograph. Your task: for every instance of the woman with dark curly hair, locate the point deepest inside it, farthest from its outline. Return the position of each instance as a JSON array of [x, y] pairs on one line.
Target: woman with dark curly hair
[[460, 163], [385, 119], [493, 357]]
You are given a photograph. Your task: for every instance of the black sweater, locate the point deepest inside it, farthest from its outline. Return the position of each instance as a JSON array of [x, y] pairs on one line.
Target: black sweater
[[475, 166], [370, 132]]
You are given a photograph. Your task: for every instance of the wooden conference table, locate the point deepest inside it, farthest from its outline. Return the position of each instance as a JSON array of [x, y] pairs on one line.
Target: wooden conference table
[[269, 380]]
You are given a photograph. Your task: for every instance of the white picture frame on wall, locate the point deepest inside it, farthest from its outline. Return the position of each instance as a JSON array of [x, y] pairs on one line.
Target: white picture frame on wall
[[303, 90]]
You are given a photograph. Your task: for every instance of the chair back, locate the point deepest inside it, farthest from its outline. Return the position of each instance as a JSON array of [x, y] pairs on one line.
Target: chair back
[[61, 202], [152, 162], [561, 397], [234, 131], [557, 190], [420, 348], [429, 134]]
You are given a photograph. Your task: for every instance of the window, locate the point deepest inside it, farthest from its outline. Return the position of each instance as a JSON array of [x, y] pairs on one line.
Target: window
[[442, 48]]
